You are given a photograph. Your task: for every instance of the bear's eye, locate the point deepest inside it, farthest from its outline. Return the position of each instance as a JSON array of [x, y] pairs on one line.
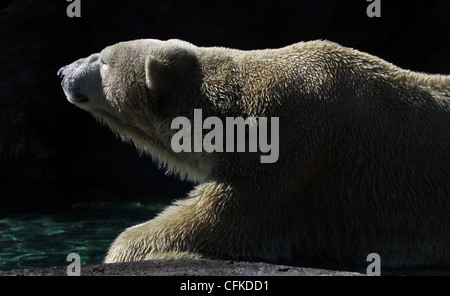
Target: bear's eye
[[102, 61]]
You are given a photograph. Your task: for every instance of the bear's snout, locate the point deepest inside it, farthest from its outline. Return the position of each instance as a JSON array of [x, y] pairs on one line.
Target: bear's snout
[[71, 86], [78, 79]]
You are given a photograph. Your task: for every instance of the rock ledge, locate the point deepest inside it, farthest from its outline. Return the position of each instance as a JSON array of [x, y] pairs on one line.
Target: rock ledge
[[185, 267]]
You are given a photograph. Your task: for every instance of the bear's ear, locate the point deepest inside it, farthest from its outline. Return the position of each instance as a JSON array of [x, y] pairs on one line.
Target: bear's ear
[[166, 77], [155, 72]]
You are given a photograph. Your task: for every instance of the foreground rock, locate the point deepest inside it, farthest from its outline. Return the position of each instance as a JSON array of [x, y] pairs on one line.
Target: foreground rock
[[185, 267], [209, 267]]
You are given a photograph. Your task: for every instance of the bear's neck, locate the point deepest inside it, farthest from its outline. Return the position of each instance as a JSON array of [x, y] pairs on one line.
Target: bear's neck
[[238, 83]]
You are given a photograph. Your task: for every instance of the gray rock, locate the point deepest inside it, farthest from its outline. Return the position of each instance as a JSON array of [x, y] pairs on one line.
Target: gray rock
[[185, 267], [216, 267]]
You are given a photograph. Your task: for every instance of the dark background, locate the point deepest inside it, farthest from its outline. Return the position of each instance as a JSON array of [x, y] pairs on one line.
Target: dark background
[[53, 154]]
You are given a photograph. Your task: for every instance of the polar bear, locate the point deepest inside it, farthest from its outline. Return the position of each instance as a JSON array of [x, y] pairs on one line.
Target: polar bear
[[364, 151]]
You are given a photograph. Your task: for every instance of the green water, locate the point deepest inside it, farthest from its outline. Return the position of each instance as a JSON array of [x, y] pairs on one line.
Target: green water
[[45, 240]]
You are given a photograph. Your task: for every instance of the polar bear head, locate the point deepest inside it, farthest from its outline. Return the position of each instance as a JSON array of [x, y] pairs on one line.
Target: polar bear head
[[137, 88]]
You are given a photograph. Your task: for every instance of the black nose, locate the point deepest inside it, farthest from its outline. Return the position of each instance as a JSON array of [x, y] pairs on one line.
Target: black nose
[[61, 72]]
